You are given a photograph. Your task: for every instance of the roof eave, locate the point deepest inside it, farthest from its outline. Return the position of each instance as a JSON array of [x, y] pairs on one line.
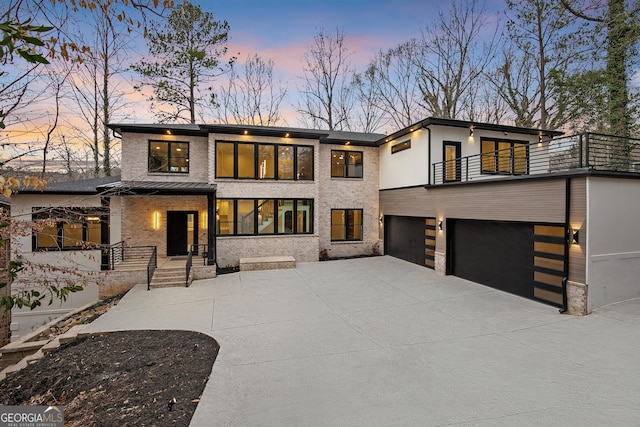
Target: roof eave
[[436, 121]]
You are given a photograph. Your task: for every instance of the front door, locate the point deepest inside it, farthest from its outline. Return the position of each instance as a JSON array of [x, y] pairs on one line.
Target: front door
[[182, 231]]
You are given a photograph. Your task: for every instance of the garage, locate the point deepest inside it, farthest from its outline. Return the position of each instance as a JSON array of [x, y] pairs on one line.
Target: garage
[[410, 238], [520, 258]]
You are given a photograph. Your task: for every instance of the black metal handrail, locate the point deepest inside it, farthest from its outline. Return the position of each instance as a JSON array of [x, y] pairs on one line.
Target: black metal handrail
[[189, 261], [196, 250], [587, 150], [151, 266], [116, 254]]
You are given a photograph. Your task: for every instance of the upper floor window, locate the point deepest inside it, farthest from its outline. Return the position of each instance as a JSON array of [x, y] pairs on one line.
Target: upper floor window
[[346, 225], [251, 160], [346, 164], [504, 157], [67, 228], [401, 146], [169, 156]]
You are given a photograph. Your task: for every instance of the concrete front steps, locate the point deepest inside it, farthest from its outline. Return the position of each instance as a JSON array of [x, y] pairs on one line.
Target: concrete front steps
[[133, 264], [20, 354], [168, 277]]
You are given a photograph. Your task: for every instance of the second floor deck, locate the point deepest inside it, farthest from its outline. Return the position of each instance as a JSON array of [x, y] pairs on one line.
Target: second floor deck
[[586, 151]]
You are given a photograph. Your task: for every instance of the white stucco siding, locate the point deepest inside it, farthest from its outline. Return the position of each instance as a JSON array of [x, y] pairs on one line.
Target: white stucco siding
[[48, 264], [613, 245], [135, 155], [22, 209], [405, 168]]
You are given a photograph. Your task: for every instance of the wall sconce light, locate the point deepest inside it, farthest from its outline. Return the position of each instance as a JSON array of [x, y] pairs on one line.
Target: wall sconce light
[[381, 219], [205, 220], [440, 225], [575, 235], [156, 220], [471, 132], [540, 137]]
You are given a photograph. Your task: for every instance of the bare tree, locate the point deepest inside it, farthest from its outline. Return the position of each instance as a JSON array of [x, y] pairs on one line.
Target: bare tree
[[97, 93], [541, 41], [394, 75], [454, 52], [369, 117], [327, 93], [253, 97]]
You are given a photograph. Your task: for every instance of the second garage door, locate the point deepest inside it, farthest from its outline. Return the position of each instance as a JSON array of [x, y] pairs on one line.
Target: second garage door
[[506, 256]]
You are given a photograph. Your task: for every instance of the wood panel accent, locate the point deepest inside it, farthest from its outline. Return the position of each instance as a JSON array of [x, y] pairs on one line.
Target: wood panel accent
[[549, 263], [430, 243], [535, 201]]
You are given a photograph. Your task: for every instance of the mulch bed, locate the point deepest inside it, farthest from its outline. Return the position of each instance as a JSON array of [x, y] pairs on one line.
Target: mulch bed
[[141, 378]]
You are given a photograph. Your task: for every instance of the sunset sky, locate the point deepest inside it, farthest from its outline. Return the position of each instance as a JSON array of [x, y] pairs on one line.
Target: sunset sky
[[282, 30]]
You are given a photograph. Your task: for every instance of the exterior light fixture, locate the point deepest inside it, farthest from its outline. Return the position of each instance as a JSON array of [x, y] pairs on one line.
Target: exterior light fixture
[[205, 220], [246, 132], [575, 235], [168, 132], [381, 219], [471, 131], [156, 220], [440, 225], [286, 135]]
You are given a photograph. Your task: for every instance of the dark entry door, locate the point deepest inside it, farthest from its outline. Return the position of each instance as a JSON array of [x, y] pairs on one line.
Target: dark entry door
[[182, 231]]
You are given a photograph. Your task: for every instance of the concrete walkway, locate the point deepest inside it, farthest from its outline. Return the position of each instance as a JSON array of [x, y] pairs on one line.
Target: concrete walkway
[[382, 342]]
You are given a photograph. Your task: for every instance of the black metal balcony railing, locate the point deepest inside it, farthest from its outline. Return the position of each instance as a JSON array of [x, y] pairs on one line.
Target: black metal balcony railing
[[582, 151]]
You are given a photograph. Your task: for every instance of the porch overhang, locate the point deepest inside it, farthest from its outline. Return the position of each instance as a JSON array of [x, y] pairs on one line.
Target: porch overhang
[[173, 188], [154, 187]]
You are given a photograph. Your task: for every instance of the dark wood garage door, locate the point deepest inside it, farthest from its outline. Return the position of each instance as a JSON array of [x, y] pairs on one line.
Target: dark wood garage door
[[501, 255], [410, 238]]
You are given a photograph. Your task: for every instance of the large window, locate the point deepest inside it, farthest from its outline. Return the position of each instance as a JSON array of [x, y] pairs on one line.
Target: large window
[[504, 157], [67, 228], [169, 156], [346, 225], [242, 160], [346, 164], [237, 217]]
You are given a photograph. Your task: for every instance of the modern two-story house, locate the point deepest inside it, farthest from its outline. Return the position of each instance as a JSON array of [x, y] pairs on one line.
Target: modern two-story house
[[530, 212]]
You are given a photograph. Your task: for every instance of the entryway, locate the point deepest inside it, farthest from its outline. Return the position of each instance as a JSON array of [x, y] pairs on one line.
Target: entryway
[[182, 232]]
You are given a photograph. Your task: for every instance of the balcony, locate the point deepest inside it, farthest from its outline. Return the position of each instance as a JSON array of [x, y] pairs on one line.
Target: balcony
[[587, 151]]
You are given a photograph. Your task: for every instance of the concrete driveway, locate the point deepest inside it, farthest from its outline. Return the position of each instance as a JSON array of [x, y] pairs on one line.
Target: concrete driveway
[[381, 342]]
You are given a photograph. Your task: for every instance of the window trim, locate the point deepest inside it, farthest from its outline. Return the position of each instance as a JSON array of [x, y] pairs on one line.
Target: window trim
[[496, 159], [83, 215], [345, 169], [346, 225], [256, 157], [169, 143], [256, 205]]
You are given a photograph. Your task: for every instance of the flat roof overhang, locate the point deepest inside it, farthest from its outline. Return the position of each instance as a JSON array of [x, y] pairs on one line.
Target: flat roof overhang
[[160, 188], [436, 121]]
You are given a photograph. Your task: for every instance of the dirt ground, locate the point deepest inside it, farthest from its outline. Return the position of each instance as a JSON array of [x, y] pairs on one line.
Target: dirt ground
[[141, 378]]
